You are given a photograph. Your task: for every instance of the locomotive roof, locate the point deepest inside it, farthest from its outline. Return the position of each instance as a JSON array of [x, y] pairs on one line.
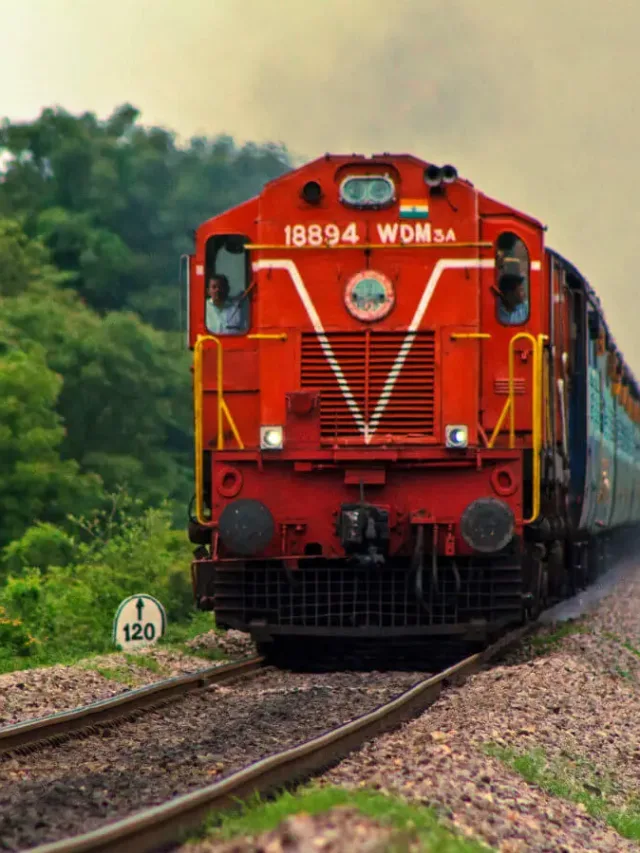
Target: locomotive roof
[[487, 205]]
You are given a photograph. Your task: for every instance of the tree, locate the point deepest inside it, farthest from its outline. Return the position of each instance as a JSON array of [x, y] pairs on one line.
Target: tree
[[93, 218], [35, 483], [115, 202], [123, 397], [121, 388]]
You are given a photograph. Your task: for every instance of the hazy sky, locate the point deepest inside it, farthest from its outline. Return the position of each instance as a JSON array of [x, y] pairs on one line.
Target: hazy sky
[[535, 101]]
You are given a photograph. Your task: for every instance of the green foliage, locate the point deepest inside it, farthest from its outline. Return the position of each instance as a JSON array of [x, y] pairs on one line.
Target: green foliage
[[178, 634], [69, 609], [96, 215], [35, 483], [94, 386], [108, 395], [15, 639], [411, 822], [115, 201], [42, 545], [23, 261], [118, 386], [578, 781]]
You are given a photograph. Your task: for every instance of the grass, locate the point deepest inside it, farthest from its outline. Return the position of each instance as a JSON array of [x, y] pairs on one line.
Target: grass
[[179, 634], [624, 673], [145, 662], [541, 644], [410, 823], [122, 672], [118, 673], [575, 780], [633, 649]]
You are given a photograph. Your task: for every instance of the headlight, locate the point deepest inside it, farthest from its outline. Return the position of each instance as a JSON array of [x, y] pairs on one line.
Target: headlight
[[271, 437], [456, 435], [487, 525], [367, 191]]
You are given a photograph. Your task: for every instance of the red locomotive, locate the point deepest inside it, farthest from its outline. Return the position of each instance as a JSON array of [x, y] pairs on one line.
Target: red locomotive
[[410, 415]]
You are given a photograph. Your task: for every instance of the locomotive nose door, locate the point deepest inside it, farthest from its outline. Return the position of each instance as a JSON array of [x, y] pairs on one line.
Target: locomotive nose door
[[510, 308]]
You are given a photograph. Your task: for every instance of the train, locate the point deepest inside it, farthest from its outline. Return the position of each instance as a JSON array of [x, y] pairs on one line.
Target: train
[[411, 418]]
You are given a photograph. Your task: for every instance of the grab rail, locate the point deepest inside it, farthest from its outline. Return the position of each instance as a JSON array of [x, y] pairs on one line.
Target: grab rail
[[536, 413], [222, 409], [198, 407]]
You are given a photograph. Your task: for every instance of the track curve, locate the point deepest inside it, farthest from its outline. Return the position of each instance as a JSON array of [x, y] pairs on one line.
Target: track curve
[[155, 827]]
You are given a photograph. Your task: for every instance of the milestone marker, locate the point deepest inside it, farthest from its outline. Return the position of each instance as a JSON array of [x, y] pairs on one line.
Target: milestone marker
[[140, 621]]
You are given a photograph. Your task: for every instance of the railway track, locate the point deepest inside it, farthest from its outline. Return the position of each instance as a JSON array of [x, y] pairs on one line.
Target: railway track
[[32, 734], [162, 825]]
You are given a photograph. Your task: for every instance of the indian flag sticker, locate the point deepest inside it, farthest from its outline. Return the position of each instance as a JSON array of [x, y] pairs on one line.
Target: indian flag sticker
[[414, 208]]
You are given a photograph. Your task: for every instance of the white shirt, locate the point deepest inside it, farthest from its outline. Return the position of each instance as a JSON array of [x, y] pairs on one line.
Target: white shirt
[[227, 319]]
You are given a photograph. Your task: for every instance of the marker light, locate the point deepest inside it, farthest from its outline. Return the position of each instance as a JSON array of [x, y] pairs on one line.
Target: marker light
[[456, 435], [271, 437], [367, 191]]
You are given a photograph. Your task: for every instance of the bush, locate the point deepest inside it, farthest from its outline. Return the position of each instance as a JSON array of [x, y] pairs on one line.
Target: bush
[[14, 637], [41, 546], [69, 609]]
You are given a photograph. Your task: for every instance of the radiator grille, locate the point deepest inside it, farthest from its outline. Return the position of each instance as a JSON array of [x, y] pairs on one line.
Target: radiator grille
[[366, 360]]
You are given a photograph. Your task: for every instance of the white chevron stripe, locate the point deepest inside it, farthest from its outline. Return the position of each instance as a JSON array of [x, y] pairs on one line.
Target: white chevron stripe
[[368, 429], [290, 267]]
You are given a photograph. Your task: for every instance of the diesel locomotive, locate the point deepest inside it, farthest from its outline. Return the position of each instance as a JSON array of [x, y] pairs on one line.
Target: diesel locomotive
[[411, 417]]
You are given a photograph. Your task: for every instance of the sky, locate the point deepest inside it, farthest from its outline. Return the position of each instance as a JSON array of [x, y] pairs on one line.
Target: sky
[[537, 102]]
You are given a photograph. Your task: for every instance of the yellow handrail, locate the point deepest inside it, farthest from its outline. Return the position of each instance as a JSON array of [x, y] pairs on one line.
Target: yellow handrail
[[537, 426], [222, 413], [268, 336], [536, 413]]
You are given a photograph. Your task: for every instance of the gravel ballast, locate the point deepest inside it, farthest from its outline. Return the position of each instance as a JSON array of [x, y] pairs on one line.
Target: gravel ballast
[[30, 693], [576, 700], [65, 790], [578, 704]]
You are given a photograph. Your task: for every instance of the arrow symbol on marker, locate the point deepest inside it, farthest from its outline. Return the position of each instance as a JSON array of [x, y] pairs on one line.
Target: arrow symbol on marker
[[140, 606]]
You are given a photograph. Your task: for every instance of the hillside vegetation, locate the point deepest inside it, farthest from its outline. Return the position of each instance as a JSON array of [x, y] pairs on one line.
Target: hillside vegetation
[[95, 393]]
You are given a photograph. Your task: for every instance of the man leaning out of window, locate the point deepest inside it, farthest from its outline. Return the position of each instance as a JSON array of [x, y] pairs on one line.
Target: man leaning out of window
[[514, 303], [224, 315]]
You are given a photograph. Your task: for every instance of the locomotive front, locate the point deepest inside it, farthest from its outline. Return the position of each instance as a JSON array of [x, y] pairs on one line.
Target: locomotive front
[[359, 469]]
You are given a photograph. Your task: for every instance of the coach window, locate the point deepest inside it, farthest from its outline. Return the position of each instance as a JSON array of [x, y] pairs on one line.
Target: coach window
[[512, 280], [227, 275]]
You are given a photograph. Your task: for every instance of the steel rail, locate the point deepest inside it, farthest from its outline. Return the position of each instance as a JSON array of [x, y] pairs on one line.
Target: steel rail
[[31, 732], [166, 824]]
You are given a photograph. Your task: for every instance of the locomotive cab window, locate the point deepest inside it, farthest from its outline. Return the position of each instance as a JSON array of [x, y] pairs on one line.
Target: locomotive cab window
[[512, 280], [227, 275]]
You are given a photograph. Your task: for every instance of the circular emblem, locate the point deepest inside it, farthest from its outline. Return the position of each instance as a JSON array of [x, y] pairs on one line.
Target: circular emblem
[[369, 296]]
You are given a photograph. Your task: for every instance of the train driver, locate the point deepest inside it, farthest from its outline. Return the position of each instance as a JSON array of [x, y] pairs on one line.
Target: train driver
[[223, 315], [514, 302]]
